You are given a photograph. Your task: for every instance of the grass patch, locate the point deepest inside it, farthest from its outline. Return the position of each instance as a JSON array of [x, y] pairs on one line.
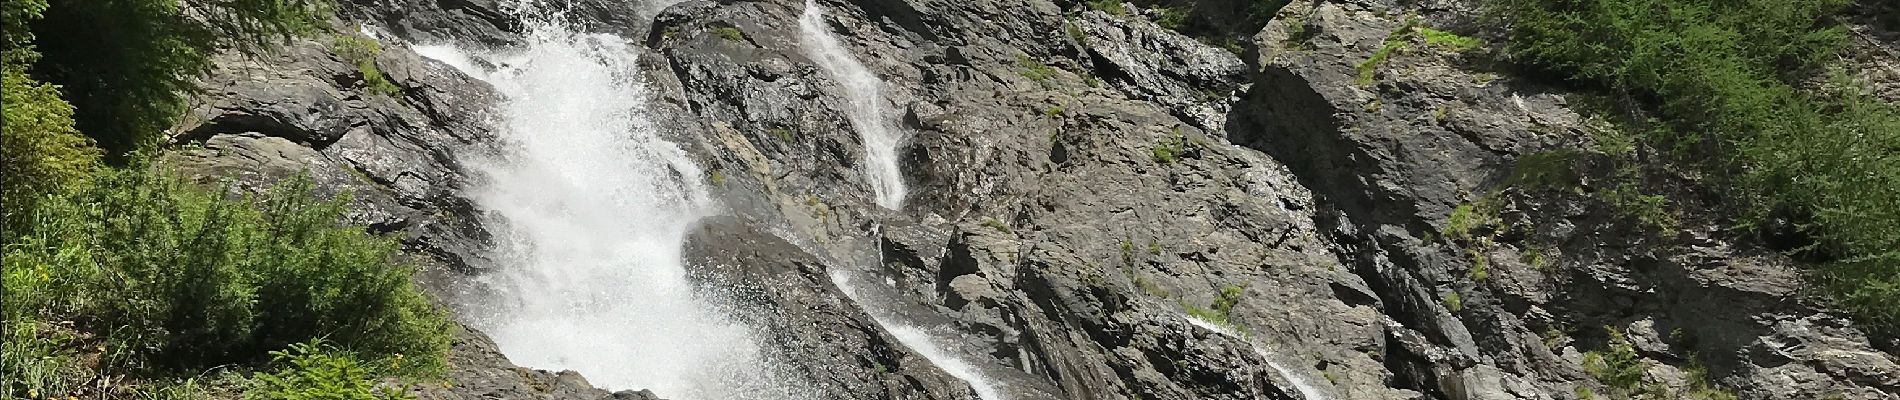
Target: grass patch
[[1151, 288], [1453, 302], [998, 225], [1534, 256], [728, 33], [1447, 40], [1220, 311], [362, 52], [1036, 71], [1398, 41], [1467, 219], [1170, 149], [1480, 269], [1112, 7]]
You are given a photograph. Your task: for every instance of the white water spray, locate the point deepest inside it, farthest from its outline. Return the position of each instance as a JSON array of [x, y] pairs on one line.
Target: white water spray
[[1306, 389], [921, 342], [590, 207], [864, 105]]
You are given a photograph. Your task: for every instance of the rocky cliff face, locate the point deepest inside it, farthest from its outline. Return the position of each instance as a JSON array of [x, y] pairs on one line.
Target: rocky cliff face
[[1084, 182]]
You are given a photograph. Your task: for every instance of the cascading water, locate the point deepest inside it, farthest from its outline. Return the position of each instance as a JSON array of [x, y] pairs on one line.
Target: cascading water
[[865, 108], [590, 207], [1306, 389], [920, 341], [865, 105]]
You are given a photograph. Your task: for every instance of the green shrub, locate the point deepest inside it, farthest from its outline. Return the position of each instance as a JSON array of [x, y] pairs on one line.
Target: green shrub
[[1467, 219], [1545, 170], [1220, 311], [1726, 89], [16, 35], [1112, 7], [1453, 302], [1170, 149], [1174, 18], [1480, 268], [730, 34], [40, 152], [1619, 367], [362, 52], [313, 371], [174, 276]]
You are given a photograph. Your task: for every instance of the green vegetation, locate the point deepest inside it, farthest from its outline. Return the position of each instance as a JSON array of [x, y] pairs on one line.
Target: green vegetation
[[1112, 7], [40, 152], [1453, 302], [717, 177], [1220, 311], [1648, 209], [129, 274], [728, 33], [1546, 170], [1624, 375], [1724, 91], [1534, 256], [783, 135], [1036, 70], [1447, 40], [171, 277], [313, 371], [1170, 149], [1465, 221], [1173, 18], [1053, 110], [1264, 10], [1400, 40], [1619, 367], [362, 52], [1151, 288], [998, 225], [129, 66], [1480, 268], [1075, 33]]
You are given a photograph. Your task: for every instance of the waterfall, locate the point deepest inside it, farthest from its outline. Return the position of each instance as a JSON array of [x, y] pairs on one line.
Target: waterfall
[[864, 105], [921, 341], [590, 207], [1306, 389]]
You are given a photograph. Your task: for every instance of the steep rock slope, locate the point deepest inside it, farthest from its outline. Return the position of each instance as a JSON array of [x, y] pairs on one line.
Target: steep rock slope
[[1084, 181]]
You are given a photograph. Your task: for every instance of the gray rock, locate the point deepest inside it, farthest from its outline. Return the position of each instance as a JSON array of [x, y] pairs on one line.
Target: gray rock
[[1065, 228]]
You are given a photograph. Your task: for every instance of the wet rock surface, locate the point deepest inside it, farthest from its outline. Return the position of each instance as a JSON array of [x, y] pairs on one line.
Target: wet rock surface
[[1082, 183]]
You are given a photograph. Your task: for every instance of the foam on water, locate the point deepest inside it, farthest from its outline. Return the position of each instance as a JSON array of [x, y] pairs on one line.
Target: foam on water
[[864, 105], [590, 207]]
